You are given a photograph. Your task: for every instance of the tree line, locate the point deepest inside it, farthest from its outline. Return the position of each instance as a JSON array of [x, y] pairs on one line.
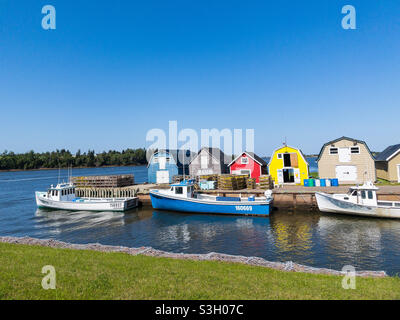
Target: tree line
[[64, 158]]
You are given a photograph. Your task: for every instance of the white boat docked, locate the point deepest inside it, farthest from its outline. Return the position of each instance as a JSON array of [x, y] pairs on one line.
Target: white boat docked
[[360, 201], [63, 197]]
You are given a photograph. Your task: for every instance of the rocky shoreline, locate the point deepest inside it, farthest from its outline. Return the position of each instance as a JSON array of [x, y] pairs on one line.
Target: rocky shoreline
[[212, 256]]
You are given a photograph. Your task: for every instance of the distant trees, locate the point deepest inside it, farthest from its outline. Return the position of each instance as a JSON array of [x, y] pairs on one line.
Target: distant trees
[[64, 158]]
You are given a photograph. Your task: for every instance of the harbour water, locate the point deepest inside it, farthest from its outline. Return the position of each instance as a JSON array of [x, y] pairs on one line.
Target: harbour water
[[319, 240]]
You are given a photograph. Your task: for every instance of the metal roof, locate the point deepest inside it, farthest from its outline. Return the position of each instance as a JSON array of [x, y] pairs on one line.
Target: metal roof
[[255, 157], [386, 154]]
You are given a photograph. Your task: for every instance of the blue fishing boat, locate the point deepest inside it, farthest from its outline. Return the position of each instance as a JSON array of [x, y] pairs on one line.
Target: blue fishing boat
[[182, 197]]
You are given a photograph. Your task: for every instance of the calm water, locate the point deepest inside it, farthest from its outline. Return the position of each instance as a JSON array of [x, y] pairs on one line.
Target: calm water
[[308, 238]]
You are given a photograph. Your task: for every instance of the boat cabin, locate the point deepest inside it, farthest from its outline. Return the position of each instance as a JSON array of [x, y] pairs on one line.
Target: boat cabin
[[62, 192], [364, 195], [182, 189]]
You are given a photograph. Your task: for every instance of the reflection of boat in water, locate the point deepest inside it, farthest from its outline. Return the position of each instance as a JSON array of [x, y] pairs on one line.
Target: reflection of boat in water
[[360, 201], [355, 236], [182, 197], [63, 197], [58, 221]]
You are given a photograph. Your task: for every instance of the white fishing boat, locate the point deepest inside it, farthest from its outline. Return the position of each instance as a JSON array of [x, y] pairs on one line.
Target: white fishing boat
[[63, 197], [360, 201]]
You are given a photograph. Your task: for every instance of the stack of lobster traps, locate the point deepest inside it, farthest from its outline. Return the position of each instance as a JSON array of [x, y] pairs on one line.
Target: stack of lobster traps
[[232, 182], [251, 183], [266, 182], [109, 181]]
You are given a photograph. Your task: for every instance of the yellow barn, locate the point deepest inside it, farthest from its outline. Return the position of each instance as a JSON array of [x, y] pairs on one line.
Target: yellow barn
[[288, 165]]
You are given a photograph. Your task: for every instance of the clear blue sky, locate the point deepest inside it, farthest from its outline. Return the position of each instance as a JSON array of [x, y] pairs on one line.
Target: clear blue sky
[[112, 70]]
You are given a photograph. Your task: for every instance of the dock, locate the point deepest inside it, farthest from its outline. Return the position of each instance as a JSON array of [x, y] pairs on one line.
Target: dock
[[288, 196]]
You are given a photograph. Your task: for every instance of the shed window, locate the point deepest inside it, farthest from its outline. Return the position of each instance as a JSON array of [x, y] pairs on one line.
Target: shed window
[[245, 160], [355, 150], [333, 151], [279, 155]]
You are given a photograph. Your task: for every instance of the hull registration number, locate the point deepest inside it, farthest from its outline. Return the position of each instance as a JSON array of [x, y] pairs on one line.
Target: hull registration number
[[244, 208]]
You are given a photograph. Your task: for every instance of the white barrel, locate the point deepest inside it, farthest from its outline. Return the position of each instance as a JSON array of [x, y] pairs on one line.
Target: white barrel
[[328, 182], [317, 182]]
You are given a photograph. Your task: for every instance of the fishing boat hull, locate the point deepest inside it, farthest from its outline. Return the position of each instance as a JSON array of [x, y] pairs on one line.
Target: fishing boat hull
[[327, 203], [193, 205], [85, 204]]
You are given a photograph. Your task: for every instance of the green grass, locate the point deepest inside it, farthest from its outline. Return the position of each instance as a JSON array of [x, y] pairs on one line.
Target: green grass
[[314, 175], [98, 275], [386, 182]]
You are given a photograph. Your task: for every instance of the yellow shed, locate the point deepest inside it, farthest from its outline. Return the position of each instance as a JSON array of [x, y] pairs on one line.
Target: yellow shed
[[288, 165]]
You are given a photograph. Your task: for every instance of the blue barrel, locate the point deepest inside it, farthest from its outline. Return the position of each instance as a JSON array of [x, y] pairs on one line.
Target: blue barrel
[[323, 182], [334, 182], [306, 182]]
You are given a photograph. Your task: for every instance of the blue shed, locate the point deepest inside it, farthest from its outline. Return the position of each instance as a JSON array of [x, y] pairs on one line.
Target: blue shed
[[164, 164]]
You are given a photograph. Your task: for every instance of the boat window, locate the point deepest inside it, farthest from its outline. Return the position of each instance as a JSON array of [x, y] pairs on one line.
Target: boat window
[[178, 190], [370, 195], [354, 193], [363, 195]]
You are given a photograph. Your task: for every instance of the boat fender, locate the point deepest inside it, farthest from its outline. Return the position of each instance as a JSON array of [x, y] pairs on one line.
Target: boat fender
[[268, 193]]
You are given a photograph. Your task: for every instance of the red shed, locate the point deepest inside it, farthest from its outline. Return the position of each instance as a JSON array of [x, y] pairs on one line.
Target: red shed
[[248, 163]]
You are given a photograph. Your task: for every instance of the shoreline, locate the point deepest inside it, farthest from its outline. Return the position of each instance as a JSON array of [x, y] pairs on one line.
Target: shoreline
[[45, 169], [288, 266]]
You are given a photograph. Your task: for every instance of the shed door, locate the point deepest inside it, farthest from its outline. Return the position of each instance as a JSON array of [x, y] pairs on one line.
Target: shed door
[[163, 176], [398, 172], [280, 176], [293, 160], [297, 175], [162, 161], [203, 162], [344, 155], [346, 173]]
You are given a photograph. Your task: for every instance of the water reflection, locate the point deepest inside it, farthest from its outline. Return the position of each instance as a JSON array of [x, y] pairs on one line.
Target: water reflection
[[359, 241], [293, 235]]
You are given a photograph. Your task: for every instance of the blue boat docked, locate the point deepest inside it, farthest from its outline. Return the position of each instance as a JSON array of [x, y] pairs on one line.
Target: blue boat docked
[[182, 197]]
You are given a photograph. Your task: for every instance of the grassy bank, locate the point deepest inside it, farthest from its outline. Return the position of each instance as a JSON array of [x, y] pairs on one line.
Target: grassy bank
[[99, 275]]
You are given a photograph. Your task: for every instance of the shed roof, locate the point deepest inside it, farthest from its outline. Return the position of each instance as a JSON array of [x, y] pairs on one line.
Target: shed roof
[[216, 153], [252, 155], [175, 154], [301, 153], [344, 138], [388, 153]]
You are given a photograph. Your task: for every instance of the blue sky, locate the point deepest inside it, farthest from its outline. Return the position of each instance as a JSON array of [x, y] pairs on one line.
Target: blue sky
[[112, 70]]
